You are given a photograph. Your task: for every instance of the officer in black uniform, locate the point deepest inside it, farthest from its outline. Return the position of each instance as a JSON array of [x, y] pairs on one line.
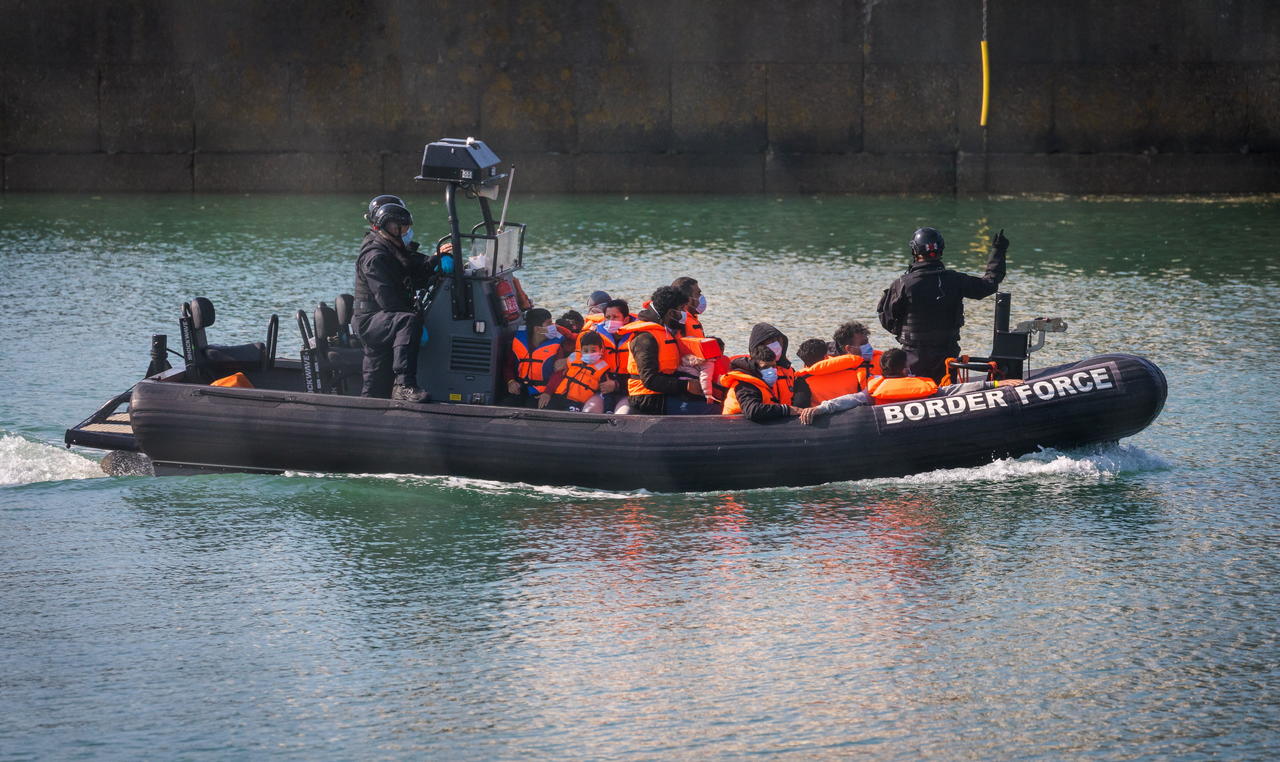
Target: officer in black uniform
[[925, 307], [388, 272]]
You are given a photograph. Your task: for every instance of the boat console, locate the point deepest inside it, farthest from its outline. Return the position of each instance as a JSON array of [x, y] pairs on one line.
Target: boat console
[[471, 314]]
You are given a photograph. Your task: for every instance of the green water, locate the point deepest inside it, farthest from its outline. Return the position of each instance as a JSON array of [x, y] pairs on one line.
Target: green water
[[1114, 603]]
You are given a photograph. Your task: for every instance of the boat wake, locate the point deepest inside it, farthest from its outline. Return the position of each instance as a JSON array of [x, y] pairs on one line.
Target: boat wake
[[480, 485], [1094, 463], [1104, 462], [25, 462]]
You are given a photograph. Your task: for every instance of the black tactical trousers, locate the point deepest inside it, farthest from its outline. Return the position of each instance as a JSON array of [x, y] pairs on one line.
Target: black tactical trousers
[[390, 348], [930, 361]]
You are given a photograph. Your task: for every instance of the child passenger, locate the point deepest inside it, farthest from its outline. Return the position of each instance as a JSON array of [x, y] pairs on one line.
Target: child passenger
[[586, 378]]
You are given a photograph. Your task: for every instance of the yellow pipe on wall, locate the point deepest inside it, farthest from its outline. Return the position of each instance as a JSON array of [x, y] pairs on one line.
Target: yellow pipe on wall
[[986, 84]]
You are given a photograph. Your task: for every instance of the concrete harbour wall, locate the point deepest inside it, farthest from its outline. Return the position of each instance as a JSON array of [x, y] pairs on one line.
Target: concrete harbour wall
[[865, 96]]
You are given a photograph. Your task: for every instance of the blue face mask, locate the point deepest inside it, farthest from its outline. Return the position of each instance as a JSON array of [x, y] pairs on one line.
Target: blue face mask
[[407, 237], [866, 350], [770, 375]]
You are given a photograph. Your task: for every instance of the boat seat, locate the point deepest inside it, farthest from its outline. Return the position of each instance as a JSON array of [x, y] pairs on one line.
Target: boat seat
[[345, 307], [343, 359], [210, 361], [327, 367]]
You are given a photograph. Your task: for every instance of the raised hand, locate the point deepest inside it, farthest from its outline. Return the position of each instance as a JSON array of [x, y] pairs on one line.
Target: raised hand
[[999, 242]]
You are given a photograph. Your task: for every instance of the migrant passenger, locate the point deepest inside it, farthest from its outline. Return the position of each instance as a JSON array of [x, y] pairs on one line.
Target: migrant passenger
[[846, 371], [388, 272], [695, 304], [756, 392], [765, 334], [536, 360], [586, 378], [697, 352], [570, 322], [896, 386], [615, 348], [924, 308], [654, 386], [853, 338], [811, 352], [595, 308], [570, 326]]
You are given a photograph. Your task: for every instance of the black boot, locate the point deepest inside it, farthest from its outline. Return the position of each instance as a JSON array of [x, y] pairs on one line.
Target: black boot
[[409, 393]]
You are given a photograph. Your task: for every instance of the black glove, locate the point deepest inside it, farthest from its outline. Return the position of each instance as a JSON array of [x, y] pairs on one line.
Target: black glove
[[999, 242]]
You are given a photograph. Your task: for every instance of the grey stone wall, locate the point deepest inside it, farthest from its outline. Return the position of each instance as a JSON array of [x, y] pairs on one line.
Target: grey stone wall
[[1128, 96]]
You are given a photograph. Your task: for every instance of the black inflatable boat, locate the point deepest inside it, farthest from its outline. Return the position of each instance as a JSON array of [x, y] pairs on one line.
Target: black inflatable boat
[[302, 415], [186, 427], [1102, 399]]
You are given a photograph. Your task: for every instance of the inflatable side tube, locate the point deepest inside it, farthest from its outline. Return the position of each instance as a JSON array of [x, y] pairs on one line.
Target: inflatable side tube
[[1097, 400]]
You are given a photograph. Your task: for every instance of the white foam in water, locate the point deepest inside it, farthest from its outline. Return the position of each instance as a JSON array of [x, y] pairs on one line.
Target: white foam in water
[[478, 485], [1100, 463], [24, 462], [1094, 463]]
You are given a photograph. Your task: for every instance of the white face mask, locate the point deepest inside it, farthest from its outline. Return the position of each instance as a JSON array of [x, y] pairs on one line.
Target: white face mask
[[702, 304], [552, 331], [591, 358], [612, 326], [776, 346]]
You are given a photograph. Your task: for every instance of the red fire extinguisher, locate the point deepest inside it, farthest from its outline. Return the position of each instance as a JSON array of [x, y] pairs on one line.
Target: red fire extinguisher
[[507, 297]]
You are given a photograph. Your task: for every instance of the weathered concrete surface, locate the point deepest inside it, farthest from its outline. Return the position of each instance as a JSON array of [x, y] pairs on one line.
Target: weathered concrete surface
[[863, 96]]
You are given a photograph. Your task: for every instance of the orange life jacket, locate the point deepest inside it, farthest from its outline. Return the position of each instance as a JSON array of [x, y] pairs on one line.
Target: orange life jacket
[[786, 383], [668, 354], [899, 389], [534, 366], [831, 377], [581, 378], [614, 347], [769, 395], [692, 328], [591, 321], [720, 367]]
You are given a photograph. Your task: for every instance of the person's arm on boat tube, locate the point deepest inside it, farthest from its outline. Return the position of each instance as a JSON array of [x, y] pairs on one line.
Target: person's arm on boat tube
[[754, 408], [843, 402]]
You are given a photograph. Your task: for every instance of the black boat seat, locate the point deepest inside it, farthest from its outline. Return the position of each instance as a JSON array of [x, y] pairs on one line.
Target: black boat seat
[[212, 361], [344, 360], [345, 307]]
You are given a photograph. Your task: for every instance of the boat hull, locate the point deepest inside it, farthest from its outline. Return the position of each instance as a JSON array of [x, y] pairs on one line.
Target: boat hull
[[184, 426]]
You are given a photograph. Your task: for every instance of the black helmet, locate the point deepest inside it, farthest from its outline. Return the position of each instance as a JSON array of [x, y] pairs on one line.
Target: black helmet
[[391, 212], [378, 201], [927, 242]]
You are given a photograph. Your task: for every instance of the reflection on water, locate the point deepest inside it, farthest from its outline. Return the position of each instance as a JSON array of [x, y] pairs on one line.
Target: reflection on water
[[1108, 603]]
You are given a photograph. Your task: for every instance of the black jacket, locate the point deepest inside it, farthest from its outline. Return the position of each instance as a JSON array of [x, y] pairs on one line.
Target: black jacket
[[925, 307], [644, 349], [754, 408], [387, 276]]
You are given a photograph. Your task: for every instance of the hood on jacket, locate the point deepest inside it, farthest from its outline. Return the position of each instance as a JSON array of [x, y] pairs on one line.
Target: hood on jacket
[[765, 333], [648, 314], [746, 365]]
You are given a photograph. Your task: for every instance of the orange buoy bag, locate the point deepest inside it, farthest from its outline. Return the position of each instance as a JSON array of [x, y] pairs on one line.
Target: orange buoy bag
[[235, 379]]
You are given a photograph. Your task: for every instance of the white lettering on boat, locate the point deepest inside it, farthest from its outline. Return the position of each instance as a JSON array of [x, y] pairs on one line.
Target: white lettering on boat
[[1074, 384]]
